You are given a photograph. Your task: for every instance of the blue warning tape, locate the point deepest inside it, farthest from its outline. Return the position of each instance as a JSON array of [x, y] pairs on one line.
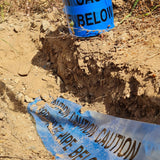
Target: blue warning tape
[[70, 135]]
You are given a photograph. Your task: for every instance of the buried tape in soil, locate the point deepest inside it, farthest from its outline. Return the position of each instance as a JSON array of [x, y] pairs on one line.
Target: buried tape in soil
[[70, 135]]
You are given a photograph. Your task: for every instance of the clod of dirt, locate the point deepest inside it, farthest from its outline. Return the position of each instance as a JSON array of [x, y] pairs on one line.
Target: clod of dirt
[[17, 29], [20, 97], [28, 99], [45, 97], [24, 69], [45, 25]]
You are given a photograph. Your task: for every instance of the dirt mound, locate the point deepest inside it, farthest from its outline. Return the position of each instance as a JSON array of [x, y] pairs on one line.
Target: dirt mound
[[120, 68]]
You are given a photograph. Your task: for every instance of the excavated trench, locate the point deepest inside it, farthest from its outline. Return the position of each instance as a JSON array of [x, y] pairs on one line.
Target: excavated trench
[[96, 70], [120, 70]]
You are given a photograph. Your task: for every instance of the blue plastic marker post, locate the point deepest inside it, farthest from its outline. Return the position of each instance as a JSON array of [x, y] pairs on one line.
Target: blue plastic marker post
[[89, 17]]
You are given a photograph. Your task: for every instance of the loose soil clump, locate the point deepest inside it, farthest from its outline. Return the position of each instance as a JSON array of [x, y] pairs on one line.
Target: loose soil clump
[[120, 68]]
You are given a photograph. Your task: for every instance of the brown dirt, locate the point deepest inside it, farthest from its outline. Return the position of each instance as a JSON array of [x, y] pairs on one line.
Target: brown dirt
[[117, 73]]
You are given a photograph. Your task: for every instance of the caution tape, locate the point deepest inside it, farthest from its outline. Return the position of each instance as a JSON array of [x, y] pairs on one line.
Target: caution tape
[[70, 135]]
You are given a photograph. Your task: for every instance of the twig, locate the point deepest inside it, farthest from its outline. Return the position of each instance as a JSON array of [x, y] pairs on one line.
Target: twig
[[134, 5], [155, 7]]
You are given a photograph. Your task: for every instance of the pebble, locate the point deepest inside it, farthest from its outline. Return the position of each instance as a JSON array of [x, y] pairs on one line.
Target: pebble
[[45, 25], [28, 99], [16, 80], [45, 97], [52, 29], [24, 69], [20, 97], [140, 91], [59, 81], [17, 29], [149, 91], [55, 10], [45, 78], [77, 43]]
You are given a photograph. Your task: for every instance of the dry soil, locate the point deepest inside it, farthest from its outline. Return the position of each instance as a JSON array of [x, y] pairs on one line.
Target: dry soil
[[117, 73]]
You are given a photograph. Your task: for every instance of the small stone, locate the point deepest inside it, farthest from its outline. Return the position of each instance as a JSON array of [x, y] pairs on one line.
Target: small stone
[[116, 23], [149, 91], [45, 78], [52, 29], [28, 99], [77, 43], [140, 91], [45, 25], [20, 97], [24, 69], [16, 80], [45, 97], [55, 10], [86, 58], [59, 81], [50, 75], [17, 29]]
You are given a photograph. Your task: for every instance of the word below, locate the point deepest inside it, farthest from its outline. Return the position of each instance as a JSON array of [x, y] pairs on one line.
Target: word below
[[92, 18]]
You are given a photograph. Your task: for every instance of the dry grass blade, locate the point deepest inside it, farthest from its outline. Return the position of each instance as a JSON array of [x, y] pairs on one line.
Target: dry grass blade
[[154, 8], [134, 5]]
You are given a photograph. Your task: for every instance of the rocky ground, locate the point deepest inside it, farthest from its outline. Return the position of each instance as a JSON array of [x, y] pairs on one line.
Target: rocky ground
[[117, 73]]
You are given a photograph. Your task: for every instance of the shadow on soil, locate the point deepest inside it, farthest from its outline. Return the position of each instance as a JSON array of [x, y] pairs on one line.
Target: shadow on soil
[[60, 56], [5, 91]]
